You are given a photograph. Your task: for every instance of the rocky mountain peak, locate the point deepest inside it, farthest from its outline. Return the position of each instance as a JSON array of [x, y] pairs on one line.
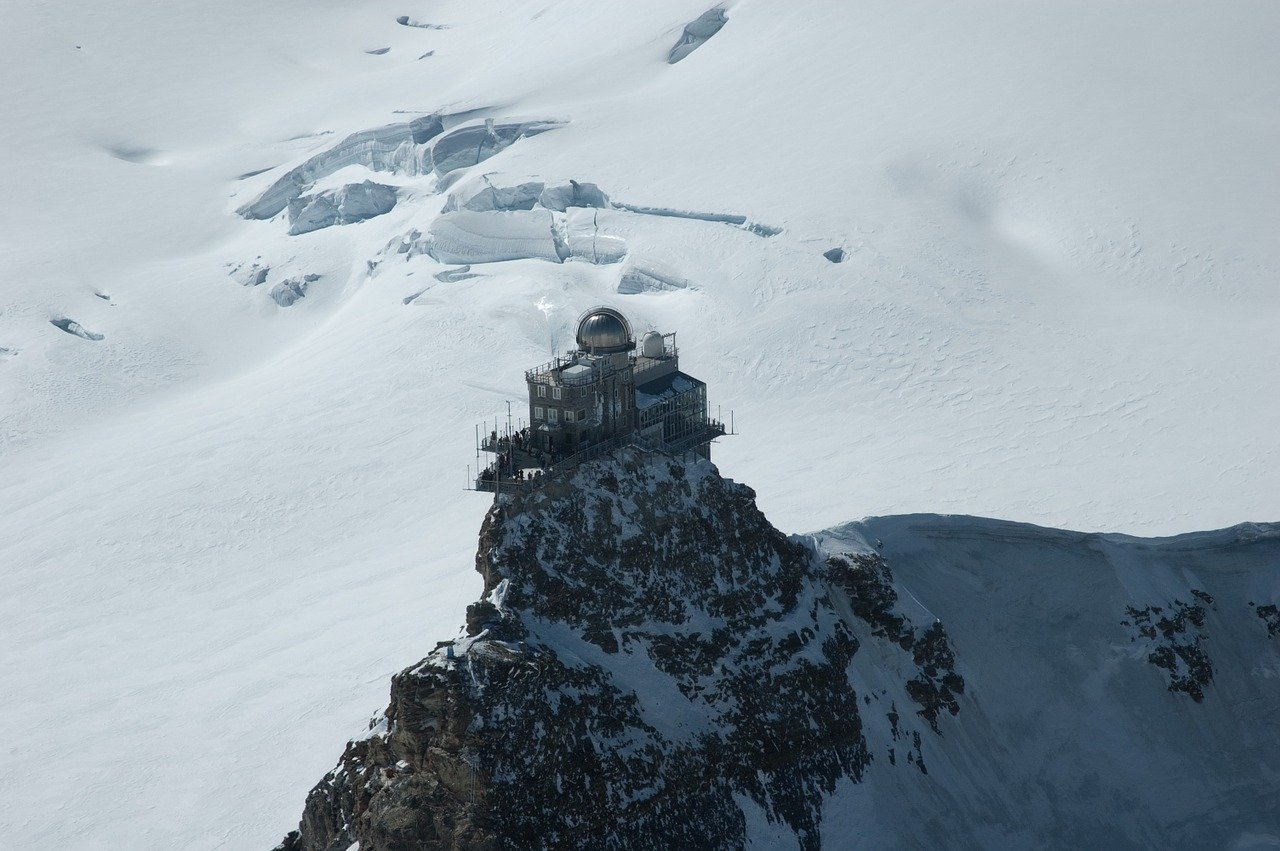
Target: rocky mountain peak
[[652, 664]]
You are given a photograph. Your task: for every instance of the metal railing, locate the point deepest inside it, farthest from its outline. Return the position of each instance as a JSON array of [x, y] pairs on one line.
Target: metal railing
[[711, 430], [644, 364], [544, 374]]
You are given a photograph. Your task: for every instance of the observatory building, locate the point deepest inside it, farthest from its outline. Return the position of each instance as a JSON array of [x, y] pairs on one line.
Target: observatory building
[[606, 393]]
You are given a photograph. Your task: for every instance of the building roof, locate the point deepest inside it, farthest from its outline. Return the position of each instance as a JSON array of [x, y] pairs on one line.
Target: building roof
[[667, 387]]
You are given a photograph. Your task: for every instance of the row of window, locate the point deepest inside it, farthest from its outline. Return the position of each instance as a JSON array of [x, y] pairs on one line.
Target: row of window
[[556, 392], [552, 415]]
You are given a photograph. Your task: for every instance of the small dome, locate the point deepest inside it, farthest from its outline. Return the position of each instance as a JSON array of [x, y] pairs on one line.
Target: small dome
[[603, 330], [651, 346]]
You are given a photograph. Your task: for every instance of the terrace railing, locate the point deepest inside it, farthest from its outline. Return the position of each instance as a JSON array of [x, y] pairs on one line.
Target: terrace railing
[[509, 484]]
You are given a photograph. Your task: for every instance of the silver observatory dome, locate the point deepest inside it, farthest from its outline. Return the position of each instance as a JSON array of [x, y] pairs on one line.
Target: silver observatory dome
[[603, 331]]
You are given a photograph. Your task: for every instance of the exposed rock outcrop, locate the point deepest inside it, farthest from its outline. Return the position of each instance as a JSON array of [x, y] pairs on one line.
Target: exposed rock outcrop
[[868, 583], [1175, 639], [648, 654]]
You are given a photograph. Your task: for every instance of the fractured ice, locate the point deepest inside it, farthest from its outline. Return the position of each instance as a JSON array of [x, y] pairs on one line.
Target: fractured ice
[[471, 237], [354, 202], [696, 33], [75, 329], [649, 275], [395, 147], [290, 290], [414, 148], [468, 146], [573, 194]]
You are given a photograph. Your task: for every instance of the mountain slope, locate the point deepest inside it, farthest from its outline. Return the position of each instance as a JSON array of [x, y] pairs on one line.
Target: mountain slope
[[1071, 733], [654, 665]]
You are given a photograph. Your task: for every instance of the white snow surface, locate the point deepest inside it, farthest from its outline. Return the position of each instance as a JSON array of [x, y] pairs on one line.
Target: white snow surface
[[226, 523]]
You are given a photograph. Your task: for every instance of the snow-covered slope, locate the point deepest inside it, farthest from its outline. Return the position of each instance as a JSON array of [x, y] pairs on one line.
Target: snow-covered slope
[[1057, 304], [1070, 732]]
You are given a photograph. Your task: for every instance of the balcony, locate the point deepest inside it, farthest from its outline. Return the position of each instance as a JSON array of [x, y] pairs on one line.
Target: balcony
[[511, 476]]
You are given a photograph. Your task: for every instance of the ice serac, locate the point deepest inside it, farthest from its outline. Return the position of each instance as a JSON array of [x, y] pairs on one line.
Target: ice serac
[[647, 274], [696, 33], [492, 198], [287, 292], [75, 329], [396, 148], [353, 202], [651, 665], [465, 237], [573, 194], [468, 146]]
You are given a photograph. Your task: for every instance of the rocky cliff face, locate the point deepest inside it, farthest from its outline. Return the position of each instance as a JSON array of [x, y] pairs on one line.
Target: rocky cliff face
[[652, 664]]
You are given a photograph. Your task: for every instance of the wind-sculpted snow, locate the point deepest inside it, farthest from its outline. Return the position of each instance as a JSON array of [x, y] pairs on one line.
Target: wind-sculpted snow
[[696, 33], [354, 202], [649, 660]]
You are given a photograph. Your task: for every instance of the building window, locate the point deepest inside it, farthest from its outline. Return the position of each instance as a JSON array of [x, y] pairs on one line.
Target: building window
[[568, 416], [537, 412], [552, 413], [542, 390], [556, 392], [582, 416]]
